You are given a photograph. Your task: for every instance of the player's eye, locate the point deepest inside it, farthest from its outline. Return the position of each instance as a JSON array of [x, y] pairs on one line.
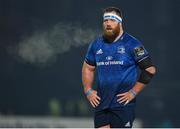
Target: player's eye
[[106, 20]]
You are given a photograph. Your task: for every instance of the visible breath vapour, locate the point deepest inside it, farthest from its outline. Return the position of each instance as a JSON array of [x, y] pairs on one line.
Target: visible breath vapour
[[44, 46]]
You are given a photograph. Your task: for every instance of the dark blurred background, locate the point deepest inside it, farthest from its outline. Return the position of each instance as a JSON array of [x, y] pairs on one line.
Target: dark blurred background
[[43, 44]]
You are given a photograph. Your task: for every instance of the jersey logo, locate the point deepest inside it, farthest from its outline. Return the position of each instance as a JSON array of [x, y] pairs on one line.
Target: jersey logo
[[139, 51], [99, 52], [109, 58], [121, 50], [127, 124]]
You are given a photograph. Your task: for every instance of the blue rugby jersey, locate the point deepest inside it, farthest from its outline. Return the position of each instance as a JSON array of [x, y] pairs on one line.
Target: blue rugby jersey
[[116, 65]]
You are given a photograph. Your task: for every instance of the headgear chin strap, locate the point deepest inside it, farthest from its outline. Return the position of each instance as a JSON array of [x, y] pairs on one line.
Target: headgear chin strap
[[112, 16]]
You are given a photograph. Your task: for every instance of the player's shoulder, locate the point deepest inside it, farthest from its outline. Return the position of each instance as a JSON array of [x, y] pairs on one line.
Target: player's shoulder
[[131, 40], [96, 42]]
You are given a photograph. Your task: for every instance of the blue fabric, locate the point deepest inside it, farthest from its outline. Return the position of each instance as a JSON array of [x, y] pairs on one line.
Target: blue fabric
[[116, 66], [117, 118]]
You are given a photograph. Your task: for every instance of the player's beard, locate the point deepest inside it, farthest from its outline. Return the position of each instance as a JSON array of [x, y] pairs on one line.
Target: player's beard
[[110, 34]]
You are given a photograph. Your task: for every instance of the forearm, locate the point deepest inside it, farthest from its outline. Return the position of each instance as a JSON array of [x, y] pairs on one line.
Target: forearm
[[87, 80], [87, 77], [146, 78], [138, 87]]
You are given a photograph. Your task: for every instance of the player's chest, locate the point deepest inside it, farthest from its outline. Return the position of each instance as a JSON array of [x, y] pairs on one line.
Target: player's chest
[[113, 55]]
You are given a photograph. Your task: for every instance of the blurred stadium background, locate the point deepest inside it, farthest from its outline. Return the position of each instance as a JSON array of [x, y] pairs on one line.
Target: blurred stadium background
[[42, 48]]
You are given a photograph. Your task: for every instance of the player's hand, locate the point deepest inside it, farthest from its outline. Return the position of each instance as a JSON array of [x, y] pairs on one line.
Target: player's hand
[[94, 98], [125, 97]]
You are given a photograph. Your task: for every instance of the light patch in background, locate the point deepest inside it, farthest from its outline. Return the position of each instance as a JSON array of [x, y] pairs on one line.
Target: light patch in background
[[43, 47]]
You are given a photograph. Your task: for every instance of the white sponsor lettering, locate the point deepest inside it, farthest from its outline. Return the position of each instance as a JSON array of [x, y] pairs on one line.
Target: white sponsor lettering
[[99, 63], [110, 63]]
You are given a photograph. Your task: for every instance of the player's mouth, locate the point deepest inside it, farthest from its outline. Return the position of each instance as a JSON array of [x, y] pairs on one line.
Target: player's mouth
[[108, 28]]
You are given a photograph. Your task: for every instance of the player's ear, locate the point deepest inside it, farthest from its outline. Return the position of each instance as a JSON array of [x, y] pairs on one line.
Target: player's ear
[[120, 24]]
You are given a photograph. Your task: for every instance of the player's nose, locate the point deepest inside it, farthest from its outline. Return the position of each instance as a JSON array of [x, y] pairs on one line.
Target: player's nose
[[108, 26]]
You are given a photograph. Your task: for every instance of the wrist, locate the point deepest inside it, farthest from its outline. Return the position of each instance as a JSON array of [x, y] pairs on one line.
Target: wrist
[[86, 88], [133, 92], [88, 92]]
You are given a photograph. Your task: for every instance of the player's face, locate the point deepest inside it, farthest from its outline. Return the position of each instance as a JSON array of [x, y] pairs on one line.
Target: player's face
[[111, 28]]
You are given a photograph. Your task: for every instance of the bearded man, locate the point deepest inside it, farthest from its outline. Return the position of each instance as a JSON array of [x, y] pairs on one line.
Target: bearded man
[[116, 56]]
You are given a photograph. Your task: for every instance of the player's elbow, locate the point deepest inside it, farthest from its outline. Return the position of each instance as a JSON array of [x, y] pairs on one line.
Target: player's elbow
[[151, 70]]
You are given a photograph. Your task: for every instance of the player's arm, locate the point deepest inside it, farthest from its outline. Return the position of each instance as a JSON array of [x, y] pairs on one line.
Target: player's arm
[[87, 76], [88, 72], [147, 72]]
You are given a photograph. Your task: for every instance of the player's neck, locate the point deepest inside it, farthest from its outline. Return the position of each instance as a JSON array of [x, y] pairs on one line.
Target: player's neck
[[119, 36]]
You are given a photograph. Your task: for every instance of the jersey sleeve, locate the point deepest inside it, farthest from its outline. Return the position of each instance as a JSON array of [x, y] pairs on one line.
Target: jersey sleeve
[[90, 55], [138, 51]]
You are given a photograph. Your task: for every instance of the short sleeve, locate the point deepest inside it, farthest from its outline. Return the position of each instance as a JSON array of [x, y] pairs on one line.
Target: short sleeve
[[138, 51], [90, 55]]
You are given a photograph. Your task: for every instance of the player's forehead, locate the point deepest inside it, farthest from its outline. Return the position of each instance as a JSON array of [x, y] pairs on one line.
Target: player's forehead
[[113, 12], [112, 20]]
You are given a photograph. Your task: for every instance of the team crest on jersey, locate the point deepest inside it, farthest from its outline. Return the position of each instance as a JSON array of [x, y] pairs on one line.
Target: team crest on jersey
[[139, 51], [121, 50], [99, 52]]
